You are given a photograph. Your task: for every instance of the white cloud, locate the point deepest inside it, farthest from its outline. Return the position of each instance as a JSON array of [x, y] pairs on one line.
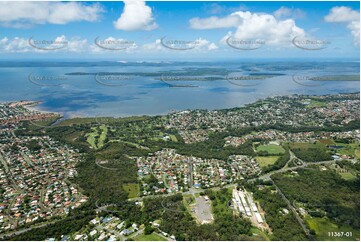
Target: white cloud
[[267, 27], [282, 11], [112, 43], [156, 45], [203, 44], [214, 8], [354, 27], [253, 26], [342, 14], [3, 41], [77, 45], [288, 12], [348, 16], [199, 44], [227, 36], [136, 16], [16, 45], [212, 46], [21, 45], [215, 22], [219, 8], [26, 14]]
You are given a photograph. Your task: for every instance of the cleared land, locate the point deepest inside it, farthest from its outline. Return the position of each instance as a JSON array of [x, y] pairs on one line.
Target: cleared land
[[266, 160], [132, 189], [326, 141], [203, 210], [303, 145]]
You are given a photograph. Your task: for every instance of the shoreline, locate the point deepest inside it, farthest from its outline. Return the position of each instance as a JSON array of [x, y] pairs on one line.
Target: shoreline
[[34, 107]]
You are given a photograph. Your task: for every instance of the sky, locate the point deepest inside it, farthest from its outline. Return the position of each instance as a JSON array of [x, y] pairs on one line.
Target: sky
[[138, 30]]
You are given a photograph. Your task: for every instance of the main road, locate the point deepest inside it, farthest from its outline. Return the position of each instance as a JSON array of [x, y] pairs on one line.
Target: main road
[[286, 168]]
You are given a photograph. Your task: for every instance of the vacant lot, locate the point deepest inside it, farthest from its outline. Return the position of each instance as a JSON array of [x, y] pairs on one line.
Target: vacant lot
[[306, 145], [266, 160], [203, 210], [326, 141]]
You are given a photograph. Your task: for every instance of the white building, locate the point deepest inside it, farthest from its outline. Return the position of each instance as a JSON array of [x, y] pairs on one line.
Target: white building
[[259, 218]]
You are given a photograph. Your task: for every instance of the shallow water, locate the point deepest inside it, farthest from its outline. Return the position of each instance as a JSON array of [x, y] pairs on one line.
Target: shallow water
[[158, 88]]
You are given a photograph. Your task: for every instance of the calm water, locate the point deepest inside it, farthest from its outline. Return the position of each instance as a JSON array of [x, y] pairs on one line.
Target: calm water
[[126, 89]]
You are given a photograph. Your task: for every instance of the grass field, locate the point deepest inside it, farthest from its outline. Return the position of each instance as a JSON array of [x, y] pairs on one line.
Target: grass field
[[271, 149], [149, 237], [91, 138], [138, 146], [357, 153], [326, 141], [266, 160], [103, 136], [323, 226], [348, 176], [173, 138], [316, 104], [132, 189], [93, 141]]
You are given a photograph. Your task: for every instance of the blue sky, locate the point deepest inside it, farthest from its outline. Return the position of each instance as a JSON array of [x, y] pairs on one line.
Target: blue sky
[[137, 30]]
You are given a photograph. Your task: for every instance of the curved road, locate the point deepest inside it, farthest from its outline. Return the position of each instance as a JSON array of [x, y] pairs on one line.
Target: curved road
[[286, 168]]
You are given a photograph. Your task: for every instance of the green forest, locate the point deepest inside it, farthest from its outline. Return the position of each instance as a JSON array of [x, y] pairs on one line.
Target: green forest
[[324, 193]]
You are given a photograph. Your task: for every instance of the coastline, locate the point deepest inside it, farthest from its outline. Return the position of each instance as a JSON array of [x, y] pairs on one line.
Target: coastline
[[33, 106]]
